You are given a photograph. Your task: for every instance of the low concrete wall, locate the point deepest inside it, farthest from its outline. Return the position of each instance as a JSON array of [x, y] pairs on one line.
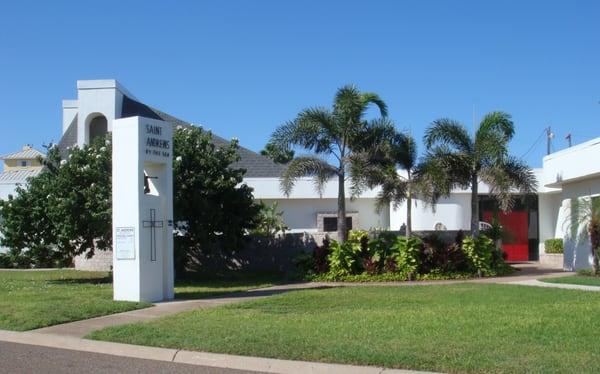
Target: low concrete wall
[[101, 261], [552, 260], [260, 254]]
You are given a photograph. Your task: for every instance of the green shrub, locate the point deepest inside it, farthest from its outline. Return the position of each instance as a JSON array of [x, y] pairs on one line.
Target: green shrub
[[345, 259], [496, 230], [407, 253], [480, 253], [553, 246], [384, 256], [5, 261]]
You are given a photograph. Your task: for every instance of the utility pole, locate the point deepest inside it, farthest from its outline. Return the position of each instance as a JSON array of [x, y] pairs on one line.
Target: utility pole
[[549, 137]]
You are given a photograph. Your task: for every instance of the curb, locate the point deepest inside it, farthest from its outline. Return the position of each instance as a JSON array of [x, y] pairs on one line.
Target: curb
[[216, 360]]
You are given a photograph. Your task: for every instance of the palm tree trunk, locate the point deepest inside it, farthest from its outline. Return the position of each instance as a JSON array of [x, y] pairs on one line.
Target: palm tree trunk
[[409, 216], [408, 207], [474, 205], [341, 214]]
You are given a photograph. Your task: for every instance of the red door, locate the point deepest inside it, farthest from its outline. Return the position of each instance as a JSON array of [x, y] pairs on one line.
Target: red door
[[515, 241]]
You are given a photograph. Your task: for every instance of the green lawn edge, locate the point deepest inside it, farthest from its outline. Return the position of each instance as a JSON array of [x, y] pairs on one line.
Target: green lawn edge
[[581, 280], [475, 328], [32, 299]]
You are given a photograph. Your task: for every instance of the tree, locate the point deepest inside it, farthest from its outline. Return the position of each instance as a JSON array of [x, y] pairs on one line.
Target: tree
[[331, 135], [380, 168], [65, 211], [270, 221], [456, 158], [81, 205], [212, 209], [278, 155], [25, 225]]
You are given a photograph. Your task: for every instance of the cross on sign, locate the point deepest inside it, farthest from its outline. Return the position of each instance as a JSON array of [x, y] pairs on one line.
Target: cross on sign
[[153, 224]]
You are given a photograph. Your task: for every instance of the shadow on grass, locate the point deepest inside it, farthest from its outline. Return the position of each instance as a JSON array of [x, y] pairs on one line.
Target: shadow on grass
[[102, 280], [254, 293], [197, 286]]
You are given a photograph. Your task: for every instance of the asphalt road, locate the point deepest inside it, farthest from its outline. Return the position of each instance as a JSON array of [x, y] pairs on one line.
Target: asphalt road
[[23, 358]]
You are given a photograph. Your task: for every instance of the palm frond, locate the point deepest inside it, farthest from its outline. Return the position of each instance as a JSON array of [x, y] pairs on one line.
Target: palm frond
[[315, 129], [307, 166], [394, 191], [367, 171], [439, 172], [348, 104], [448, 132], [374, 136], [506, 179], [491, 139], [312, 129], [373, 98], [404, 151], [497, 122]]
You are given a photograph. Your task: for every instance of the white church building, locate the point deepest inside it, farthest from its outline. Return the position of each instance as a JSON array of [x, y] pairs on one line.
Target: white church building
[[565, 175]]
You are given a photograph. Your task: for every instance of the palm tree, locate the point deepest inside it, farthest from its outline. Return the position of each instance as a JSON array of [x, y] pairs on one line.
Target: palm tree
[[456, 158], [380, 168], [332, 136]]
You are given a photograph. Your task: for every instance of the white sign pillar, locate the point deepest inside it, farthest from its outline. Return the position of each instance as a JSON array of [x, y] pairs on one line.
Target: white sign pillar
[[142, 200]]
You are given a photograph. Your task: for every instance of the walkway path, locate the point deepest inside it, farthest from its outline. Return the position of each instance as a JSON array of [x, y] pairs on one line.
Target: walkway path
[[82, 328], [537, 283]]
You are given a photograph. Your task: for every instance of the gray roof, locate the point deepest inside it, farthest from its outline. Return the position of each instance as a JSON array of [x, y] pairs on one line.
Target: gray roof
[[17, 176], [255, 164], [25, 154]]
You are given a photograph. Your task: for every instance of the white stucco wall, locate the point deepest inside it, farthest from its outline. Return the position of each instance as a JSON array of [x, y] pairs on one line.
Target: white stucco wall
[[301, 214], [549, 205], [453, 211], [7, 189], [573, 164], [70, 109], [577, 248], [575, 173], [95, 97]]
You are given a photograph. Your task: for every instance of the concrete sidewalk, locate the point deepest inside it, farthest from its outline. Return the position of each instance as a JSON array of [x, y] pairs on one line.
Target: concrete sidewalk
[[537, 283], [81, 328], [255, 364]]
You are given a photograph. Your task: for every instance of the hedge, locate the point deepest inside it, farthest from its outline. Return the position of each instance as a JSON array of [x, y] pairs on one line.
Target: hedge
[[554, 246]]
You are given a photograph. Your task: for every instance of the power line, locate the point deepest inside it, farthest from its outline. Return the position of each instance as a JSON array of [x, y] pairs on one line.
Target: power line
[[534, 143]]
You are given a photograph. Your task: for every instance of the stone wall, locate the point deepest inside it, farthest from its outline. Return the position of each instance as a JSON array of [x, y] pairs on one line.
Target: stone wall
[[260, 254], [552, 260], [101, 261]]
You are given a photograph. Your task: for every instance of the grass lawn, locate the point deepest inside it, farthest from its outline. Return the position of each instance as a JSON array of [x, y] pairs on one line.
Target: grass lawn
[[448, 328], [584, 280], [223, 284], [34, 299]]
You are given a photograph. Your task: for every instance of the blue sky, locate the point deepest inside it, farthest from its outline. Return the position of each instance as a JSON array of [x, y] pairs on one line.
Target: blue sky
[[241, 68]]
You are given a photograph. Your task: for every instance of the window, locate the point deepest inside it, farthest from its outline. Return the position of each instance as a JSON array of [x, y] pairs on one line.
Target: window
[[330, 224], [23, 163]]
